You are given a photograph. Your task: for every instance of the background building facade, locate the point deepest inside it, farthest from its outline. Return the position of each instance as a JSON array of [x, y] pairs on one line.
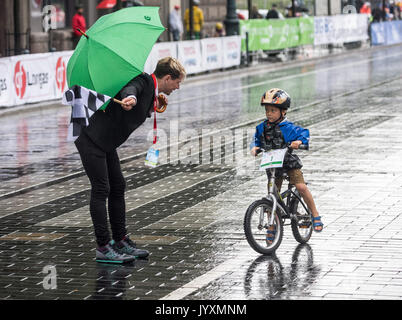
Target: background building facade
[[24, 21]]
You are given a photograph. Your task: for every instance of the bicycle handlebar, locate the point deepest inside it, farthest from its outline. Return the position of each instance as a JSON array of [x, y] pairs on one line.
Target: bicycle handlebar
[[301, 147]]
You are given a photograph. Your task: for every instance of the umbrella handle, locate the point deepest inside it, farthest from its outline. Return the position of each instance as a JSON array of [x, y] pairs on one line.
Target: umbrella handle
[[82, 32], [119, 102]]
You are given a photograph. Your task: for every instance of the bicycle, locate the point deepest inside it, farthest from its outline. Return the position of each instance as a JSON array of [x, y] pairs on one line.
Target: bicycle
[[267, 216]]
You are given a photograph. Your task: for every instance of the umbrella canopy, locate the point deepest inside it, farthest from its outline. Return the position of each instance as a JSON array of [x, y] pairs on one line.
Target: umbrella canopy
[[115, 51]]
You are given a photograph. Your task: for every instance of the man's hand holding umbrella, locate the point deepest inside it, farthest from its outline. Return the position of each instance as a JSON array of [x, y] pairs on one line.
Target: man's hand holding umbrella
[[128, 103]]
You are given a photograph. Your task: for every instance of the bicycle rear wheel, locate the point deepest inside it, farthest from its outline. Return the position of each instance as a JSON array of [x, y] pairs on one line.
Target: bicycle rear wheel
[[256, 230], [302, 224]]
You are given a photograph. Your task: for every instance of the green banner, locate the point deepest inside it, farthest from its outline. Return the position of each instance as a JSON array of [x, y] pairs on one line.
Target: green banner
[[276, 34]]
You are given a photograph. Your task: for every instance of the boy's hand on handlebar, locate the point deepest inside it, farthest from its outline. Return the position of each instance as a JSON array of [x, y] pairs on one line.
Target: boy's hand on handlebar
[[296, 144], [254, 151]]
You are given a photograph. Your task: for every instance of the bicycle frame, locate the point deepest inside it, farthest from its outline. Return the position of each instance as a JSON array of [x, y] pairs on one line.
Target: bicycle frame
[[277, 202], [272, 195]]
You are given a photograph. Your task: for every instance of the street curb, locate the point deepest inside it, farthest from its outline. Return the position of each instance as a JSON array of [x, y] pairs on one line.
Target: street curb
[[262, 67]]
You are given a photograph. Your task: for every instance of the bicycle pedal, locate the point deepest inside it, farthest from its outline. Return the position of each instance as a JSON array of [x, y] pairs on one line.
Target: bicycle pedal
[[304, 225]]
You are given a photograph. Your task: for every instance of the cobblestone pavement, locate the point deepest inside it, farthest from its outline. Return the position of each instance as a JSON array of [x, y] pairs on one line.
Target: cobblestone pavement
[[189, 213]]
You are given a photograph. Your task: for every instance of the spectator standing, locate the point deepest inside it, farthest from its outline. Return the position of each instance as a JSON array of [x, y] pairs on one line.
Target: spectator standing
[[255, 13], [97, 146], [219, 31], [393, 10], [175, 23], [198, 20], [289, 12], [366, 8], [377, 14], [273, 13], [78, 22]]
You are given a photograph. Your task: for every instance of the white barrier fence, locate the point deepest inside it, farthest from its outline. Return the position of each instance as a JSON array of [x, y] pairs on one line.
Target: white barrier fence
[[40, 77], [340, 28], [198, 55], [33, 78]]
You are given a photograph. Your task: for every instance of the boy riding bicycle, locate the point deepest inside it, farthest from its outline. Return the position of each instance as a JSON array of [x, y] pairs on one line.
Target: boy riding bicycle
[[276, 133]]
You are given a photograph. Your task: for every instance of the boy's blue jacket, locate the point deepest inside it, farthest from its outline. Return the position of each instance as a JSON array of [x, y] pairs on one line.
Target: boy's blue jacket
[[290, 133]]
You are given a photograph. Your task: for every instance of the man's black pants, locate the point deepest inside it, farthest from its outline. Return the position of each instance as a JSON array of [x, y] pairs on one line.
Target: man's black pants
[[107, 181]]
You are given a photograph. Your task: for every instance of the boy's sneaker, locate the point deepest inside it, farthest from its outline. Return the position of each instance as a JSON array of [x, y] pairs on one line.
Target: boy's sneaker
[[109, 254], [127, 246]]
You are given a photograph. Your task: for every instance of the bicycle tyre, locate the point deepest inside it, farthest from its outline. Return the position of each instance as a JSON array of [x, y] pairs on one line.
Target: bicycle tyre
[[302, 216], [254, 237]]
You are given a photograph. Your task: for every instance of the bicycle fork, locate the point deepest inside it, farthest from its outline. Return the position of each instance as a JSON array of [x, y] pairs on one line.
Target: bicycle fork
[[270, 196], [272, 216]]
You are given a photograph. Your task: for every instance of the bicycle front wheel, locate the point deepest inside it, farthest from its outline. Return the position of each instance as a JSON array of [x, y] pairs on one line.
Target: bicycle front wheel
[[302, 224], [256, 227]]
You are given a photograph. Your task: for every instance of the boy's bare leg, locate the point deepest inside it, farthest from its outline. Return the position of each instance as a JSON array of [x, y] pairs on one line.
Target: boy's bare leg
[[308, 199]]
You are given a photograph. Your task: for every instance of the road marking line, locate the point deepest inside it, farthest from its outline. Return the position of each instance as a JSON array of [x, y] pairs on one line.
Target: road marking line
[[206, 278]]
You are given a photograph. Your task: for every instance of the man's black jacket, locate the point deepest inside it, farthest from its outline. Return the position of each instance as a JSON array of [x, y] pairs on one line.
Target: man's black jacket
[[111, 128]]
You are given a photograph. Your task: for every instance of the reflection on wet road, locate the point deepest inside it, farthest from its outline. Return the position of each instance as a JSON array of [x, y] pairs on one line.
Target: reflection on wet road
[[188, 212]]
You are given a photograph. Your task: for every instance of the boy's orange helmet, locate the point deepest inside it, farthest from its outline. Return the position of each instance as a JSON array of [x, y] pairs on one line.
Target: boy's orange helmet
[[277, 98]]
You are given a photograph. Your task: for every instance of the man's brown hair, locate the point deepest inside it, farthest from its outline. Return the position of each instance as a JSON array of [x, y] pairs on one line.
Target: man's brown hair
[[169, 66]]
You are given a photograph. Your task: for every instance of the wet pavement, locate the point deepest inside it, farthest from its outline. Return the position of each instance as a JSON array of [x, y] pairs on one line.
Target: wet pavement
[[188, 212]]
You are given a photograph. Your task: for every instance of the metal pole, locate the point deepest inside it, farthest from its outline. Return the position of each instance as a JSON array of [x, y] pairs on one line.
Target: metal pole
[[249, 7], [293, 9], [330, 45], [231, 20], [191, 19], [247, 52], [383, 10]]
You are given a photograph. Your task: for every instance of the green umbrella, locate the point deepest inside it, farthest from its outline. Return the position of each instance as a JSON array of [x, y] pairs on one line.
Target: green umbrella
[[114, 50]]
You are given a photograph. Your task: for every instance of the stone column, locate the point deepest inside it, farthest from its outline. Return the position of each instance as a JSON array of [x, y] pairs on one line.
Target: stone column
[[22, 19], [6, 25]]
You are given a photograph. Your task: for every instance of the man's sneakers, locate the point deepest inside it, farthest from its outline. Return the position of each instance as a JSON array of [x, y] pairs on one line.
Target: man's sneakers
[[108, 254], [120, 252], [128, 247]]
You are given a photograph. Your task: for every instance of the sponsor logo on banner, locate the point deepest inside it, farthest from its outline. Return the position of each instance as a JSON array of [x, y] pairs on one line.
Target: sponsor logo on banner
[[164, 52], [20, 80], [212, 53], [38, 79], [212, 50], [6, 78], [32, 78], [3, 85], [231, 51], [160, 50], [190, 55], [60, 74]]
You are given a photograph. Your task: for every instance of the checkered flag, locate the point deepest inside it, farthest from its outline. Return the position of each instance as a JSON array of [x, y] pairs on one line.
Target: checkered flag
[[84, 103]]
